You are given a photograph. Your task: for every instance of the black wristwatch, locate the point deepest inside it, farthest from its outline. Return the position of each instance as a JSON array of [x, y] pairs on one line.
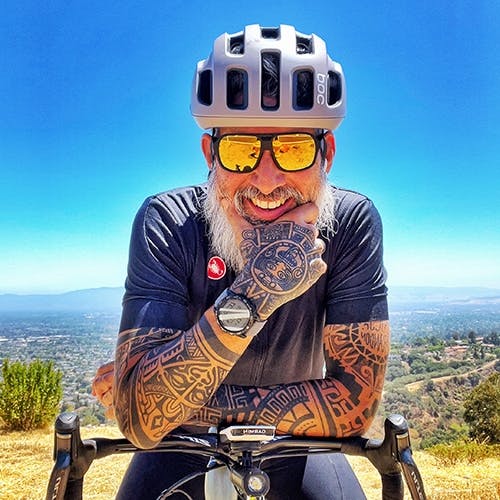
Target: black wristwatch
[[236, 314]]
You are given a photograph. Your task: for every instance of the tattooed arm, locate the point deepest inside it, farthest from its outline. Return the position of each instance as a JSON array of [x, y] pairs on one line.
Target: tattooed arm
[[164, 377], [342, 404]]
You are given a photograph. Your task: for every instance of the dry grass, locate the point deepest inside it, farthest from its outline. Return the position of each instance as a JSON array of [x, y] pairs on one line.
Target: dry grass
[[462, 481], [26, 462]]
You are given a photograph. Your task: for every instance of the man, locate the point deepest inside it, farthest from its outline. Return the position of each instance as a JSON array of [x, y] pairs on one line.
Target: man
[[260, 296]]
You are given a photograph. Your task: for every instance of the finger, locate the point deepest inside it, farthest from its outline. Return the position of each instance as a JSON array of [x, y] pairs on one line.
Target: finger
[[319, 247], [98, 389], [110, 413], [108, 378], [105, 368], [96, 383], [102, 384], [317, 268], [306, 214], [107, 398]]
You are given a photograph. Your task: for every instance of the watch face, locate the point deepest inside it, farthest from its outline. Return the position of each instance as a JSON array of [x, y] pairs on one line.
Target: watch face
[[234, 315]]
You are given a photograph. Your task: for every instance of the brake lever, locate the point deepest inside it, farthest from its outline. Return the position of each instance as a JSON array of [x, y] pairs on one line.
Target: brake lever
[[72, 458]]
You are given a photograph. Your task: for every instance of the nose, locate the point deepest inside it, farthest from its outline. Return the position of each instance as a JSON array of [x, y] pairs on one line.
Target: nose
[[267, 176]]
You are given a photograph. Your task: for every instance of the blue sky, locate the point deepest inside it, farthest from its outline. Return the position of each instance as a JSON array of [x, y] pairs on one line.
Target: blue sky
[[94, 117]]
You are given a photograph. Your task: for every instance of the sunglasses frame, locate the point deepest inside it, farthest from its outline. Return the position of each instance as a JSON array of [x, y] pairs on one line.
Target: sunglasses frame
[[266, 144]]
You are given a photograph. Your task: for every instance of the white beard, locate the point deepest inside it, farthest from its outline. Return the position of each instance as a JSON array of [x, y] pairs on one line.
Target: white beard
[[221, 236]]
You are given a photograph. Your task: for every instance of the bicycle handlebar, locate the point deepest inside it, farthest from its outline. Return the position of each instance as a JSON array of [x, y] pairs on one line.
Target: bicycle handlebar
[[73, 456]]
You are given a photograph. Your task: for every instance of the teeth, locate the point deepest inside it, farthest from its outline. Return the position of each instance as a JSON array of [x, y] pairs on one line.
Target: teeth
[[268, 205]]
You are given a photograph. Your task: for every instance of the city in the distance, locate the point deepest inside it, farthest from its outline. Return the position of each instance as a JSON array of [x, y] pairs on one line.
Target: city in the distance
[[444, 342]]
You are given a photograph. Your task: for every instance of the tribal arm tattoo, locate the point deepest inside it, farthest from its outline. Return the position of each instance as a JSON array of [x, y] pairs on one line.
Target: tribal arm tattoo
[[342, 404], [163, 376], [283, 260]]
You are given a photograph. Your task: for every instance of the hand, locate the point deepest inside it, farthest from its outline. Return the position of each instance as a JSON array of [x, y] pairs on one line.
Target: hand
[[102, 387], [283, 258], [305, 215]]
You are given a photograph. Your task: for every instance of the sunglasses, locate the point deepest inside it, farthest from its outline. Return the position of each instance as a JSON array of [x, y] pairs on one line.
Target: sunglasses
[[291, 152]]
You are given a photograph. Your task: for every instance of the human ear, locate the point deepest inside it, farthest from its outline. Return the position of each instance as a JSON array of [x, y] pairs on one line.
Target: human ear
[[330, 151], [208, 150]]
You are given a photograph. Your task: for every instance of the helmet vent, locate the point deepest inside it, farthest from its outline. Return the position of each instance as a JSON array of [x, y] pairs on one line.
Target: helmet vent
[[270, 74], [303, 90], [237, 89], [304, 44], [270, 32], [205, 88], [237, 44], [334, 88]]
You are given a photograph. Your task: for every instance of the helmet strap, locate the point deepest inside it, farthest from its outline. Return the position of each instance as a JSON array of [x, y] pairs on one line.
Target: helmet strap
[[212, 149], [322, 146]]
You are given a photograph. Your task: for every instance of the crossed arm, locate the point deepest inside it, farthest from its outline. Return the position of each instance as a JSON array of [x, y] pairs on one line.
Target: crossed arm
[[163, 377], [344, 403], [166, 378]]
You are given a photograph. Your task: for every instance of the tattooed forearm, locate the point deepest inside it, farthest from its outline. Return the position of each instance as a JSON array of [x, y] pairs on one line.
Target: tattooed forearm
[[282, 260], [163, 377], [343, 404]]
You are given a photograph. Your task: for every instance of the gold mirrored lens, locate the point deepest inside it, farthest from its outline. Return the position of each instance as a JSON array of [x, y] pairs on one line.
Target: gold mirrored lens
[[294, 151], [239, 153]]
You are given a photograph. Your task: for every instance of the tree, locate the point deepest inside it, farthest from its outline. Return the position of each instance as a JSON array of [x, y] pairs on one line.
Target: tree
[[492, 338], [429, 386], [30, 394], [482, 410]]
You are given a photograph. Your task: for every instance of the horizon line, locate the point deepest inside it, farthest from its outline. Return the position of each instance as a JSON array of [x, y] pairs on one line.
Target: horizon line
[[116, 287]]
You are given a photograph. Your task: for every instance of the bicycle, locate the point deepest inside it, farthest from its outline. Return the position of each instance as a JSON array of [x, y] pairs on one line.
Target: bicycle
[[241, 449]]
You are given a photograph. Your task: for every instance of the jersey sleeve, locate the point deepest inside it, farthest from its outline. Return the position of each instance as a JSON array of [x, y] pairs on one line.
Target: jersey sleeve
[[155, 289], [356, 279]]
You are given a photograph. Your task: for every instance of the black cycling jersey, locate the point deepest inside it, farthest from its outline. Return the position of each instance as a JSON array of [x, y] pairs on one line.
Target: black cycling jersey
[[174, 277]]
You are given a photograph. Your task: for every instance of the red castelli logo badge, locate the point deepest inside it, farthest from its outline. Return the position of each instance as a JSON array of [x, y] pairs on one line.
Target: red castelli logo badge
[[216, 268]]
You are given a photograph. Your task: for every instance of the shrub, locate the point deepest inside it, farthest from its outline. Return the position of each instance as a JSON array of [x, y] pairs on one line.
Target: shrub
[[482, 410], [444, 436], [30, 394], [463, 451]]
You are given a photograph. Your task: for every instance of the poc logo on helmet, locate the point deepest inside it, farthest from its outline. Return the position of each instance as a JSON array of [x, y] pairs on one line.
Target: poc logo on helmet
[[321, 88]]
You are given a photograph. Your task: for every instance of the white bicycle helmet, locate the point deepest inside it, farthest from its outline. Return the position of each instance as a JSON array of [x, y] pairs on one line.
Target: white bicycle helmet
[[311, 91]]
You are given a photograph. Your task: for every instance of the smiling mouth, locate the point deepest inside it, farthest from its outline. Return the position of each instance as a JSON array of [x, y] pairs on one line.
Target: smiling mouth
[[268, 205]]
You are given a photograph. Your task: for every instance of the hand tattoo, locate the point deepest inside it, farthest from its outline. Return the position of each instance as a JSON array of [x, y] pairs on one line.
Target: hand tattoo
[[283, 260]]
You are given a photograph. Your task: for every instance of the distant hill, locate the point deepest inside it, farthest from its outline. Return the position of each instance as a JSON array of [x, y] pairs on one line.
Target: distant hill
[[109, 299], [92, 299], [427, 294]]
